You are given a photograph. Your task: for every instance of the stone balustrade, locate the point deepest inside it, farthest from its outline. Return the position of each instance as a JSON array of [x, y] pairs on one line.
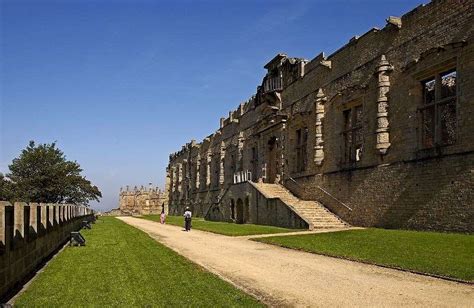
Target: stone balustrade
[[29, 234]]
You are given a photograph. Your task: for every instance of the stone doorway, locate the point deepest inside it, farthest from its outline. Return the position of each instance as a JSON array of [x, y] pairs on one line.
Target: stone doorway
[[272, 160], [240, 219], [247, 210]]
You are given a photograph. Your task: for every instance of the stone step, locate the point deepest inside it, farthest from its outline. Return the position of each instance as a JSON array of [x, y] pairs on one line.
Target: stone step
[[312, 211]]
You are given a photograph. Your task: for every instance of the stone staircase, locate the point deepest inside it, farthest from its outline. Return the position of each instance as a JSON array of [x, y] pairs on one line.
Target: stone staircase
[[313, 212]]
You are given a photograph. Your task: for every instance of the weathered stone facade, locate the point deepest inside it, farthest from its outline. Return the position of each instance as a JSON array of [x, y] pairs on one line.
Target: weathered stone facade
[[142, 201], [380, 133]]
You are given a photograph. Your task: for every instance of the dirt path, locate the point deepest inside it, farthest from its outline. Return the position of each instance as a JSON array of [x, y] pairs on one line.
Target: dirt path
[[285, 277]]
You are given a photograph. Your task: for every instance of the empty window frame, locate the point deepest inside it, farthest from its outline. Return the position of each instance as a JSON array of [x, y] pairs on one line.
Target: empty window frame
[[352, 134], [438, 111], [217, 171], [254, 163], [301, 149]]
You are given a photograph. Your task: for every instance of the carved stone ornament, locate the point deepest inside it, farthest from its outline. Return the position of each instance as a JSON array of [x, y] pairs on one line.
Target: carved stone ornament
[[319, 141], [383, 87]]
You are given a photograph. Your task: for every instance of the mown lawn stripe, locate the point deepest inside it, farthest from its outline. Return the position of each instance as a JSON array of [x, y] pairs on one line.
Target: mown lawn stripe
[[443, 254], [122, 266]]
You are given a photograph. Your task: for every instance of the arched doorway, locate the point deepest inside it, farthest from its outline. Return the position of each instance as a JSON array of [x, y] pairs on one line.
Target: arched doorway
[[240, 212], [232, 209]]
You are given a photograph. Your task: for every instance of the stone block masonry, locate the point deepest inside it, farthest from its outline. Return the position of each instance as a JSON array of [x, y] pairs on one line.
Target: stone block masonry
[[30, 233], [380, 132], [142, 201]]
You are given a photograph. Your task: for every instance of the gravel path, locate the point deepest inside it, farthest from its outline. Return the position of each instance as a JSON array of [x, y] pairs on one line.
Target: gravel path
[[284, 277]]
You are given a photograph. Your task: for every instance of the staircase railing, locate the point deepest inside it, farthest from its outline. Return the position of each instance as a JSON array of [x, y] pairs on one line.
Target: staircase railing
[[302, 192], [289, 205], [219, 198]]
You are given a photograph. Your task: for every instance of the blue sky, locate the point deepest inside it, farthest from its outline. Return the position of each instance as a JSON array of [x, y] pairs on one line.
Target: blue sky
[[122, 84]]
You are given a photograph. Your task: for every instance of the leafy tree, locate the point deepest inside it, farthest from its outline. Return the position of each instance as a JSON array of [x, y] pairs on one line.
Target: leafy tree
[[42, 174], [6, 189]]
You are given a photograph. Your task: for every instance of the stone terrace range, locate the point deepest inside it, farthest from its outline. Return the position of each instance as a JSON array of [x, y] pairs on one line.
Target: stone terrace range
[[380, 133]]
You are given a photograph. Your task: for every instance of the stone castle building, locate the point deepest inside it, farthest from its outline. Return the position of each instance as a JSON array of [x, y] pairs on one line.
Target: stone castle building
[[379, 133], [142, 201]]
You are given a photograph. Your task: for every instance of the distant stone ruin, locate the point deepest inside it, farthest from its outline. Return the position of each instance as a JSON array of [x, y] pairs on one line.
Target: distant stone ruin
[[142, 201]]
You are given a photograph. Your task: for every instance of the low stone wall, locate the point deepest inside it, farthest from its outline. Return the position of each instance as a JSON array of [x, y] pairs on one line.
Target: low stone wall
[[29, 233], [250, 206], [435, 194]]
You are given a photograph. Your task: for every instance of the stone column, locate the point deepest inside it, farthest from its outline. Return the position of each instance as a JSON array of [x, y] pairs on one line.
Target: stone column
[[281, 142], [168, 188], [198, 173], [240, 153], [179, 178], [208, 169], [185, 179], [221, 164], [319, 140], [383, 136]]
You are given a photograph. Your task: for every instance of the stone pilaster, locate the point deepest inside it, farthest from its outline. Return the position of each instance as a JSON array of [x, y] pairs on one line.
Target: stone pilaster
[[208, 169], [198, 171], [179, 178], [383, 137], [319, 139], [221, 164], [282, 172], [240, 153]]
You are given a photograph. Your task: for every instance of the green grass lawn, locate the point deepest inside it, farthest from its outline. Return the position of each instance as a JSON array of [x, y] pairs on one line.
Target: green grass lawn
[[445, 254], [224, 228], [122, 266]]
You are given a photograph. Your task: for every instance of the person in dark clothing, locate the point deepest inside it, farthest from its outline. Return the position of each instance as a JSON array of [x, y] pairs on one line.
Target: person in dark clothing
[[187, 219]]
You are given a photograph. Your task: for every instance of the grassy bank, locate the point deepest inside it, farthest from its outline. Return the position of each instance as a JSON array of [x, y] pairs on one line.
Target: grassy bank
[[444, 254], [122, 266], [225, 228]]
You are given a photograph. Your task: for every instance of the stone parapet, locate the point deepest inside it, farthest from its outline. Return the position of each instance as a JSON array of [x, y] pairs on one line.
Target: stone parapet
[[29, 234]]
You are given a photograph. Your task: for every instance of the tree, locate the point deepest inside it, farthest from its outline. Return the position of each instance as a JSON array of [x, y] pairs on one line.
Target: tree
[[43, 174], [6, 189]]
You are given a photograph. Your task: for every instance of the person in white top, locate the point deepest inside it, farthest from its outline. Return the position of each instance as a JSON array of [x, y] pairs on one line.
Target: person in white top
[[187, 219]]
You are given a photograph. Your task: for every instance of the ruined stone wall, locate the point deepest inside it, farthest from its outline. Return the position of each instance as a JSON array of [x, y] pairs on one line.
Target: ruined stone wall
[[392, 179], [29, 233], [142, 201]]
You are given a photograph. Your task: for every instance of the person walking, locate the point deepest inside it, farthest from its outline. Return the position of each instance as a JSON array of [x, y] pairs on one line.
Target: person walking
[[163, 215], [187, 219]]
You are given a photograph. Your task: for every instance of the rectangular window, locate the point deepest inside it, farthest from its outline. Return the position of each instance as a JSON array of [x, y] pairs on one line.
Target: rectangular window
[[438, 112], [254, 164], [301, 149], [352, 134], [218, 171]]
